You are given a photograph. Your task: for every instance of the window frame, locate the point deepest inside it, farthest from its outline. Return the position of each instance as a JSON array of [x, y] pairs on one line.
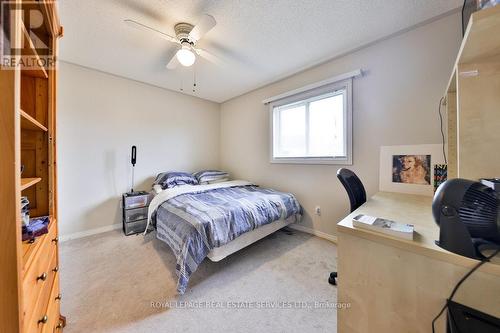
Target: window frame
[[307, 97]]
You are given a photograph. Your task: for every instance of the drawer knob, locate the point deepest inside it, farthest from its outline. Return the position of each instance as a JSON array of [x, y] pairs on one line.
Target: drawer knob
[[42, 277], [59, 326], [55, 240], [58, 297], [43, 320], [56, 269]]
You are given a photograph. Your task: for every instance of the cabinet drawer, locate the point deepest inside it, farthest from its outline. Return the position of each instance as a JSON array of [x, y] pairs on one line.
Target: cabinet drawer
[[31, 323], [136, 227], [30, 249], [136, 214], [53, 310], [136, 201], [39, 274]]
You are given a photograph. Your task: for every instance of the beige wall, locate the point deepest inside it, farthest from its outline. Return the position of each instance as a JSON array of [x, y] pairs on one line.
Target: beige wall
[[394, 103], [100, 117]]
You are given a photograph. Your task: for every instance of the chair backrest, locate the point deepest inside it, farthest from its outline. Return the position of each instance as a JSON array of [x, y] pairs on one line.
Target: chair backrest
[[353, 186]]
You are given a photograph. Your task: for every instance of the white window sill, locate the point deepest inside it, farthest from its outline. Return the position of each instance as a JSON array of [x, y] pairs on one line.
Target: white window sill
[[317, 161]]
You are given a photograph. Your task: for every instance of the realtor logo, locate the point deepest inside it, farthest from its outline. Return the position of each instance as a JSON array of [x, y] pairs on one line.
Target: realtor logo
[[32, 50]]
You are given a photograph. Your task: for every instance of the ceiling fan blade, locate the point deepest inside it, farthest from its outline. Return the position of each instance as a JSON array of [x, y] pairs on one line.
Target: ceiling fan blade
[[143, 27], [173, 63], [209, 56], [206, 23]]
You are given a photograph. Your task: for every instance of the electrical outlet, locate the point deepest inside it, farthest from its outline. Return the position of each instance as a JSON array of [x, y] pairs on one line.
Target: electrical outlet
[[317, 210]]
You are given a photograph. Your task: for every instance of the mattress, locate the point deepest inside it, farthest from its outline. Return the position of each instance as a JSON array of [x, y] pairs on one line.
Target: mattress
[[219, 253]]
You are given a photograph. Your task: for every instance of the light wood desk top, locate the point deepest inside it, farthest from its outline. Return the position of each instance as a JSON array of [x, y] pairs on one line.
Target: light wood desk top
[[412, 209]]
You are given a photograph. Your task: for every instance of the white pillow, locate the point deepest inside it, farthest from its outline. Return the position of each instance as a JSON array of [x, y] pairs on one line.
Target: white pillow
[[215, 181]]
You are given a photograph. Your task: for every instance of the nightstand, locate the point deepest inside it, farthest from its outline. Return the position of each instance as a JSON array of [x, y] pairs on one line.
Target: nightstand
[[135, 212]]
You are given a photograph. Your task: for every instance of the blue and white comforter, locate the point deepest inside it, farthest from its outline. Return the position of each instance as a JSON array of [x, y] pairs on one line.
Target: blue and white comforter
[[194, 219]]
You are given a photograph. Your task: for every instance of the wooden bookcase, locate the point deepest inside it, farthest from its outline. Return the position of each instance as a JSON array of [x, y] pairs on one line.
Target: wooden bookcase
[[473, 100], [30, 295]]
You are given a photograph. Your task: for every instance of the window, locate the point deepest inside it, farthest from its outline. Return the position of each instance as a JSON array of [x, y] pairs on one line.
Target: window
[[313, 127]]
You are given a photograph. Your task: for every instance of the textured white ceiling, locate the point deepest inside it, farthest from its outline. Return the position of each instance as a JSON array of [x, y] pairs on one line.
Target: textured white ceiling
[[262, 40]]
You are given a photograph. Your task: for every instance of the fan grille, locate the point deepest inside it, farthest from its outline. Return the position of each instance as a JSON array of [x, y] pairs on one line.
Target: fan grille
[[479, 211]]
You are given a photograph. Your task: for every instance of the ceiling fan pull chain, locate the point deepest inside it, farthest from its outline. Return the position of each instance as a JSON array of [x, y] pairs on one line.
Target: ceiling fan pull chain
[[194, 78]]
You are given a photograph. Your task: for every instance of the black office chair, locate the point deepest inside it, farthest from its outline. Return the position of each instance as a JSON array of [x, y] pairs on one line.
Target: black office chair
[[357, 197]]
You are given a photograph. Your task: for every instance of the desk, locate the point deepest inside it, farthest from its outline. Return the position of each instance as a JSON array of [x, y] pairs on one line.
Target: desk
[[396, 285]]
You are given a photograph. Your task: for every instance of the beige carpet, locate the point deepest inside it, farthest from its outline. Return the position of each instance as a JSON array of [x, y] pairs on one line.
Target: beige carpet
[[110, 281]]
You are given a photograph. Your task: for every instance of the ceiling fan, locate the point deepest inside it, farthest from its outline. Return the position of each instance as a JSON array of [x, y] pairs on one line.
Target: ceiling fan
[[186, 36]]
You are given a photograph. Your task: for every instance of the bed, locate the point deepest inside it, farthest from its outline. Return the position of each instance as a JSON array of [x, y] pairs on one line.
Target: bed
[[215, 220]]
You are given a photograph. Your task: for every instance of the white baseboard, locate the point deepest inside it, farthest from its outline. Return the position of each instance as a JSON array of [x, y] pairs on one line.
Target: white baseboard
[[324, 235], [81, 234]]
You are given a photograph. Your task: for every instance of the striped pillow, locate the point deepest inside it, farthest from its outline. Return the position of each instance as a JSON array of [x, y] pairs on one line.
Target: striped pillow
[[211, 176], [172, 179]]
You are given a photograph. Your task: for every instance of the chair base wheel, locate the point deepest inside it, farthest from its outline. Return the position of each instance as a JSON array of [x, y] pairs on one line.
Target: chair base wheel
[[333, 278]]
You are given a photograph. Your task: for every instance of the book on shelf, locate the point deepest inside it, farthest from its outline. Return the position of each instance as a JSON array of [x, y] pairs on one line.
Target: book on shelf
[[384, 226]]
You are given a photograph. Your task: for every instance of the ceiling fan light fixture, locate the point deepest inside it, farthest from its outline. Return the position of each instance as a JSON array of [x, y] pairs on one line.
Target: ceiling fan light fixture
[[187, 36], [186, 56]]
